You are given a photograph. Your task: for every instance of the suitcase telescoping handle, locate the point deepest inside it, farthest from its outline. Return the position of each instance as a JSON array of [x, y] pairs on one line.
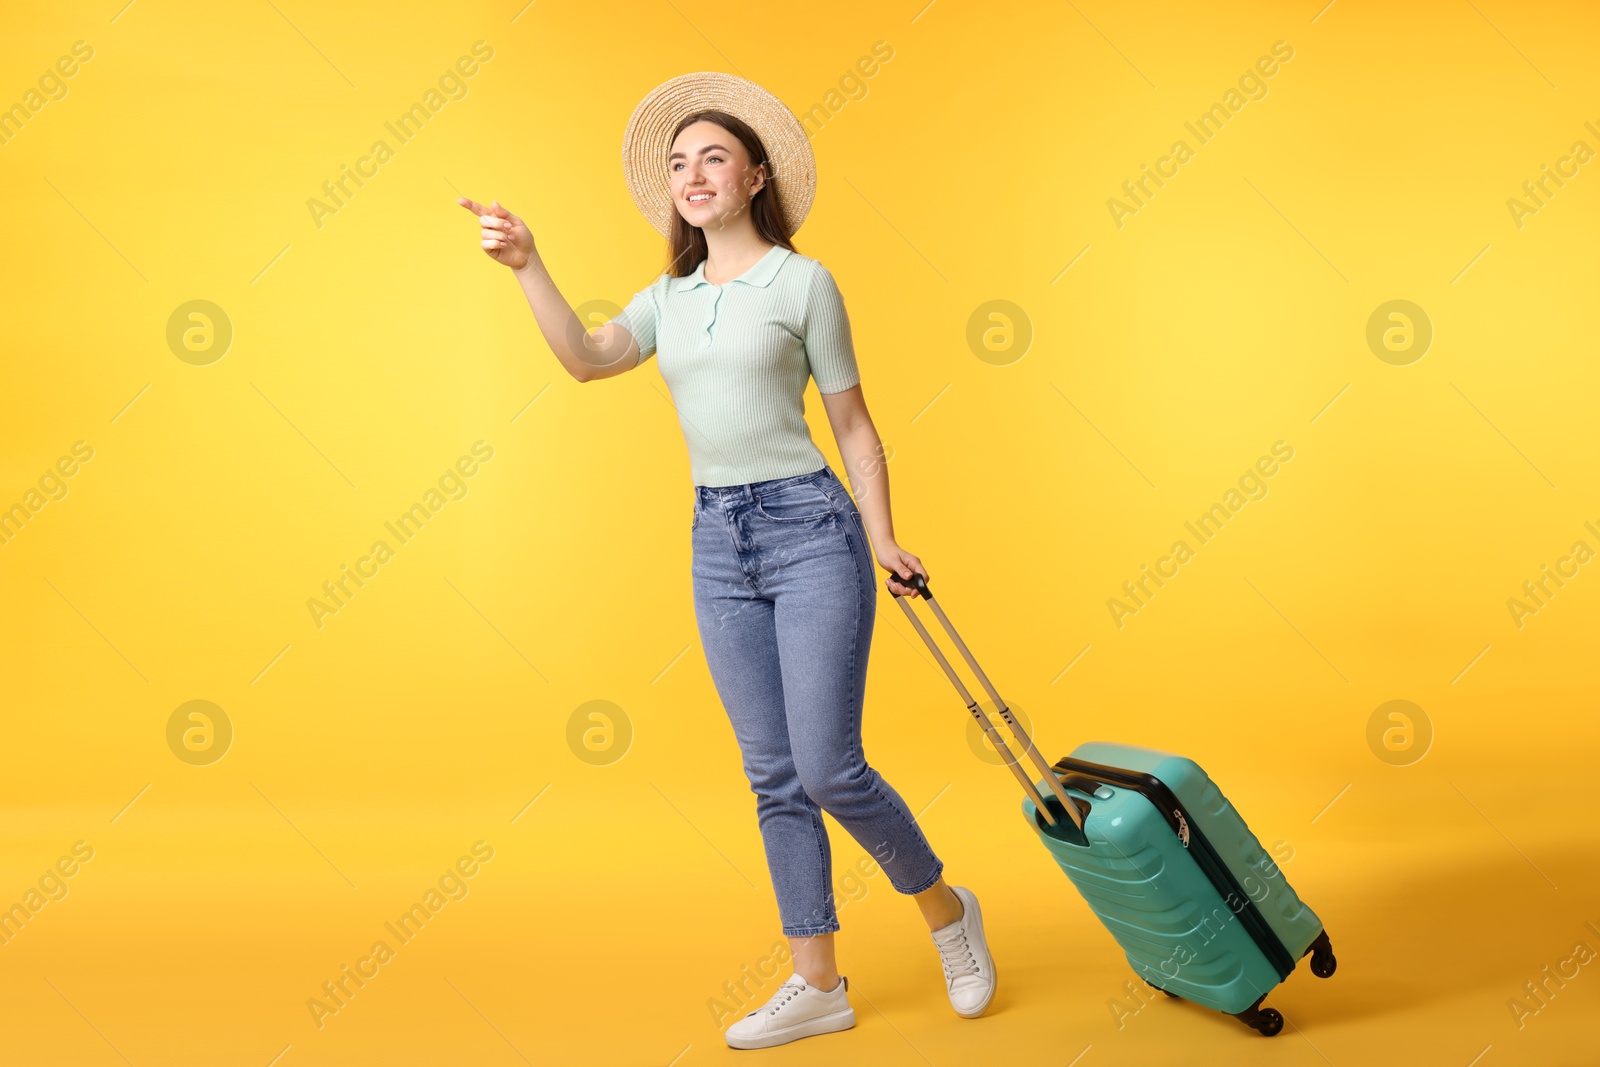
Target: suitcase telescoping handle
[[920, 583]]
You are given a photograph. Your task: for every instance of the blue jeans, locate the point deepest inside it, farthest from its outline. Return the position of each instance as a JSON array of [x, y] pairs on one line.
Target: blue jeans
[[785, 594]]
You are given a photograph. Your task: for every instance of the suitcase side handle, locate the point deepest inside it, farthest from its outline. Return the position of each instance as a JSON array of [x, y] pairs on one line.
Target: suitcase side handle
[[920, 583]]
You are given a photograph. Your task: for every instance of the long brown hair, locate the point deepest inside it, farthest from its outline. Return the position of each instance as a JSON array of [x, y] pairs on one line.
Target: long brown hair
[[687, 245]]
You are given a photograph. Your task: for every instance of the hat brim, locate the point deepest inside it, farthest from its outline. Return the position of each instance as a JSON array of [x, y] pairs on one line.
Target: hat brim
[[648, 138]]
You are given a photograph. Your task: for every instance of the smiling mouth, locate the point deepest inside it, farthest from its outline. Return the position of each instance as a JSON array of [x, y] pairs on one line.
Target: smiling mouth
[[700, 198]]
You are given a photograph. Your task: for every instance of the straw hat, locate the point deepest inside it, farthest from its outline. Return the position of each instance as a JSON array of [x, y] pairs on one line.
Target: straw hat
[[648, 139]]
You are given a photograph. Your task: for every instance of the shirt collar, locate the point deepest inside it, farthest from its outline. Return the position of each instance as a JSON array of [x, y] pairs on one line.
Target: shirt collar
[[760, 274]]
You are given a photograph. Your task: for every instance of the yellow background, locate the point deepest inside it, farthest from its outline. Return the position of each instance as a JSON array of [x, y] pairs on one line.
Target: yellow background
[[368, 354]]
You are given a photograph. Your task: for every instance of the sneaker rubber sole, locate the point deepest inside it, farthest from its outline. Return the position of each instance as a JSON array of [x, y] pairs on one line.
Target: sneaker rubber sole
[[843, 1019]]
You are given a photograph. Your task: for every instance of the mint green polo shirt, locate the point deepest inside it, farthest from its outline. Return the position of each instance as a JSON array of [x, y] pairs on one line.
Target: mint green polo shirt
[[736, 358]]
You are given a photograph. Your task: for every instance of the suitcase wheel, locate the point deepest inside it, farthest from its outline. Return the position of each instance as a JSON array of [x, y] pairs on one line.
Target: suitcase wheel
[[1266, 1021], [1323, 963], [1269, 1022]]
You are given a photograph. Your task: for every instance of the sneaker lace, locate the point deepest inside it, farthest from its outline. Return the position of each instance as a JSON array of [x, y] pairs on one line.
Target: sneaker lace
[[957, 958], [786, 993]]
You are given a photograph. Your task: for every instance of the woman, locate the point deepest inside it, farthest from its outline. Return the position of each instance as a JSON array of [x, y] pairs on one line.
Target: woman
[[782, 569]]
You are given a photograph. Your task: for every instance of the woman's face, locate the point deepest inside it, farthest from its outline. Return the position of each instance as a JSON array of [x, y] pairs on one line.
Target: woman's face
[[710, 176]]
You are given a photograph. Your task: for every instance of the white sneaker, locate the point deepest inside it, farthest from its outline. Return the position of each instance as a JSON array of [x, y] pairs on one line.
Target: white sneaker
[[796, 1010], [969, 975]]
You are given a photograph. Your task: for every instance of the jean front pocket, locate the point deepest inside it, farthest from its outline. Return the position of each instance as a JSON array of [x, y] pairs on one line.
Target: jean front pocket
[[796, 502]]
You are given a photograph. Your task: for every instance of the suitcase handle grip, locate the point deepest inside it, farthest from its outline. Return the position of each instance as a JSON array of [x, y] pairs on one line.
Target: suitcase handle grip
[[916, 580]]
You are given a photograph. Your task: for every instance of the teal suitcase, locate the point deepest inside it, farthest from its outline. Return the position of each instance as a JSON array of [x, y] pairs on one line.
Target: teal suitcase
[[1165, 862], [1171, 869]]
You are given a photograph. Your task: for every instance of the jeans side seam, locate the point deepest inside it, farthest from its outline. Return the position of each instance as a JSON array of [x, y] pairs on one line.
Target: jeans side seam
[[830, 917]]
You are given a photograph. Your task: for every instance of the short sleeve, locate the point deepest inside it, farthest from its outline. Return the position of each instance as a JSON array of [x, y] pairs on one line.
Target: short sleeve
[[640, 317], [829, 348]]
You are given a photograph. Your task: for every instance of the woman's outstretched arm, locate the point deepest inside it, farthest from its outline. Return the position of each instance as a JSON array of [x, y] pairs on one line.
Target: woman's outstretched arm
[[862, 452], [586, 354]]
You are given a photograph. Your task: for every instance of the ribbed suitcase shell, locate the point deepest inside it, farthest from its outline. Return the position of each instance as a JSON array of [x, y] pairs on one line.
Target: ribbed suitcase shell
[[1179, 932]]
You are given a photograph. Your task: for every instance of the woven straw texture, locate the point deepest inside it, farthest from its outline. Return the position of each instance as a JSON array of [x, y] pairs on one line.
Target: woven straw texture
[[648, 138]]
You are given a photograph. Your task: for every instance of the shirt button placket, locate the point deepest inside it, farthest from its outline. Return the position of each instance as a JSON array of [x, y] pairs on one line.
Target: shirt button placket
[[711, 318]]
